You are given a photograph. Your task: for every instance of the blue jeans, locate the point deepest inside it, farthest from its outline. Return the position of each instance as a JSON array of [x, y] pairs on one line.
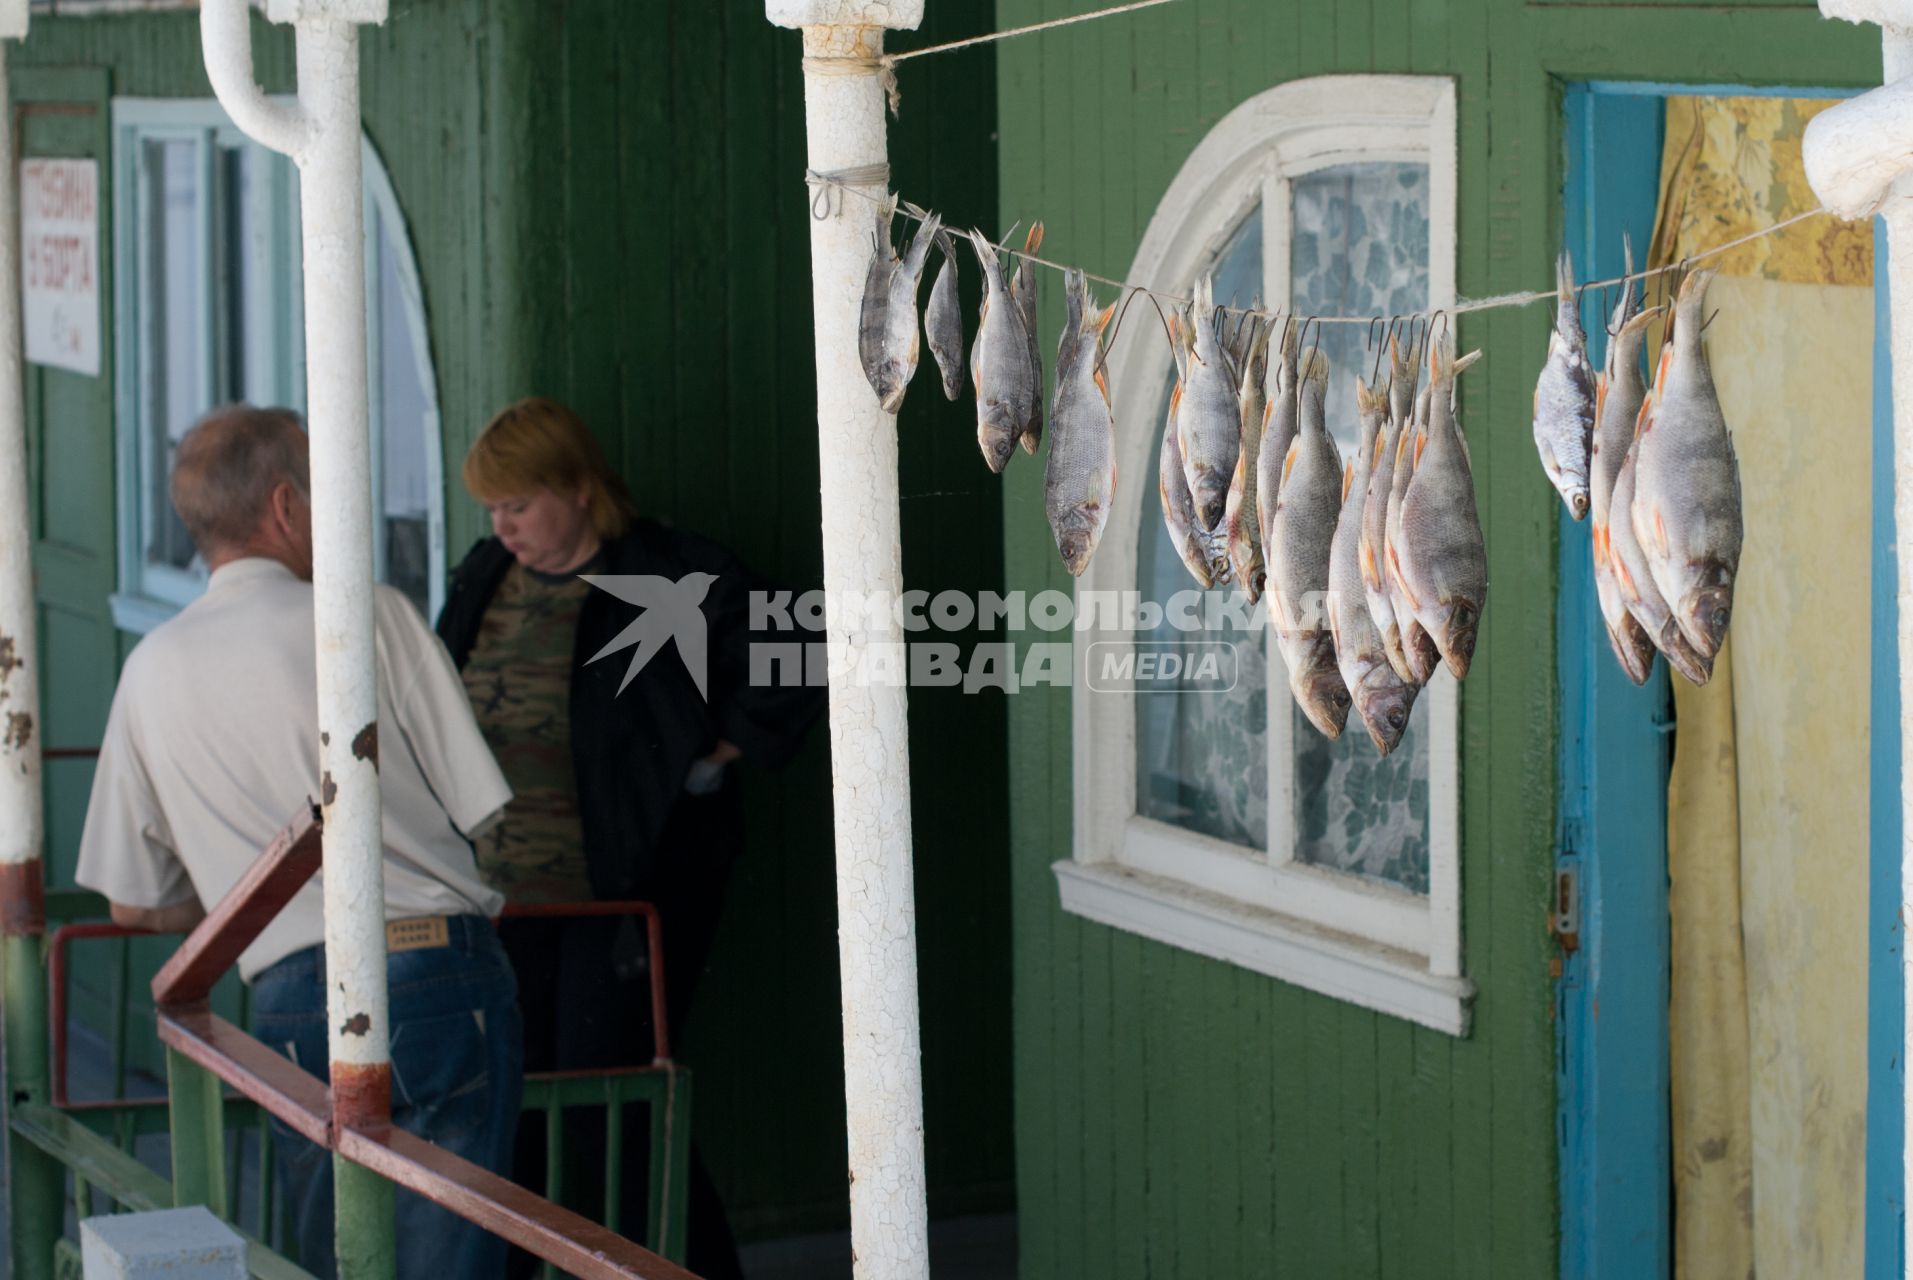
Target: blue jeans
[[457, 1080]]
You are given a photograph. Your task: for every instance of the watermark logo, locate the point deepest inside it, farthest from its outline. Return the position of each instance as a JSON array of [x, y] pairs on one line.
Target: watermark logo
[[672, 612], [1162, 666]]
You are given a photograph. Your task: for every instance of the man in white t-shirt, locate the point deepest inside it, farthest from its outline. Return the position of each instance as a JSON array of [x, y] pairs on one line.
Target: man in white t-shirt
[[213, 746]]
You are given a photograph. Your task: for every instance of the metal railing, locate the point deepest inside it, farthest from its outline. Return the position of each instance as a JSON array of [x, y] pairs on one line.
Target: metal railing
[[92, 1138]]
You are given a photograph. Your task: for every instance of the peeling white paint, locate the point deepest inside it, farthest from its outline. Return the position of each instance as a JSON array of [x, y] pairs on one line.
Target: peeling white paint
[[863, 558], [1859, 160], [321, 134], [22, 821]]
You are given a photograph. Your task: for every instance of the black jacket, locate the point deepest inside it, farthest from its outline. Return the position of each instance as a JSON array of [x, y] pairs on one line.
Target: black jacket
[[633, 750]]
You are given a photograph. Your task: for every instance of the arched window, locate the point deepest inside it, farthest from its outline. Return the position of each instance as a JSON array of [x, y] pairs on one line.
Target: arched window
[[1209, 813], [208, 309]]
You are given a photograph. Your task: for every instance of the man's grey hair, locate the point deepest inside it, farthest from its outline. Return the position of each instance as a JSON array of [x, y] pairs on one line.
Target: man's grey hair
[[227, 467]]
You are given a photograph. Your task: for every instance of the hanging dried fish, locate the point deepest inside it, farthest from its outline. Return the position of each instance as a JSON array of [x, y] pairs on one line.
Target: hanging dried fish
[[1564, 399], [1241, 519], [1373, 539], [1210, 433], [1440, 559], [1000, 367], [943, 321], [1196, 548], [1079, 477], [1307, 506], [1418, 647], [1023, 289], [873, 318], [1635, 580], [897, 349], [1381, 697], [1687, 512], [1618, 394], [1279, 416]]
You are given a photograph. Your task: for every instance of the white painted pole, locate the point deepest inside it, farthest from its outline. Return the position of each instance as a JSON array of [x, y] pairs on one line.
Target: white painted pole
[[863, 559], [321, 134], [22, 823], [1859, 160]]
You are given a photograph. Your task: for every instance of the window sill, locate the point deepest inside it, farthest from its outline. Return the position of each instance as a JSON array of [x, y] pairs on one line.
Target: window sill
[[1375, 977], [139, 614]]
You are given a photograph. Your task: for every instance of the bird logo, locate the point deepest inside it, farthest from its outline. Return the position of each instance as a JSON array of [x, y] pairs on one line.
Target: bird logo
[[671, 611]]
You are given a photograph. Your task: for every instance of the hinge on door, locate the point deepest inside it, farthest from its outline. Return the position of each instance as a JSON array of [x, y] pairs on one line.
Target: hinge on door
[[1565, 917]]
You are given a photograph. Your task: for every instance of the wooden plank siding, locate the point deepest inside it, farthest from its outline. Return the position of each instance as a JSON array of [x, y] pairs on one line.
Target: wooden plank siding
[[1210, 1121], [607, 206]]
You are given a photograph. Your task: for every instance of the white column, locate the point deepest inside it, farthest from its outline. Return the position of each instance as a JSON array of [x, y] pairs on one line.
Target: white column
[[863, 559], [321, 134], [21, 819], [1858, 157]]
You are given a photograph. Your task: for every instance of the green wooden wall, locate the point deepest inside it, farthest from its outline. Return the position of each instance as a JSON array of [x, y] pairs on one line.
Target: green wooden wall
[[1176, 1116], [606, 204]]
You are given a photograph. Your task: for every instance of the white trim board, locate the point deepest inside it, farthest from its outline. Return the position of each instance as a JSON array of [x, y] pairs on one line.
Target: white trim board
[[1335, 965]]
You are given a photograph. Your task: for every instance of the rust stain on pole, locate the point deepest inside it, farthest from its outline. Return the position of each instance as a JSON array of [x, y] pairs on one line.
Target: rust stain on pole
[[23, 898], [365, 744], [361, 1095], [357, 1025], [19, 731], [9, 657], [328, 789]]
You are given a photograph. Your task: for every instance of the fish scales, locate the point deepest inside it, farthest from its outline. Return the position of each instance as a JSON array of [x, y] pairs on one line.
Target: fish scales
[[1687, 502], [1000, 368], [1617, 400], [1207, 423], [1380, 696], [1441, 560], [1564, 399], [1241, 518], [1079, 475], [1307, 506]]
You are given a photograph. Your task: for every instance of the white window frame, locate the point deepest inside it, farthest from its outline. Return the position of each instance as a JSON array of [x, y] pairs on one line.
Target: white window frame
[[149, 594], [1349, 937]]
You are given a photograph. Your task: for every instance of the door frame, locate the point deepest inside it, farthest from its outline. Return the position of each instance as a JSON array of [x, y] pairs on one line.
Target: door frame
[[1616, 743]]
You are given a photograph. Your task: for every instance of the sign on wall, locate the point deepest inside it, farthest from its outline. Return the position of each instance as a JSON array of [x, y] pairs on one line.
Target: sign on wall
[[60, 263]]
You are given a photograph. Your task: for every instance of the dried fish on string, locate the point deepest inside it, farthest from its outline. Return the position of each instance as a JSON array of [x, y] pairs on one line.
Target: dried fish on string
[[1279, 415], [1023, 289], [1373, 539], [1196, 547], [887, 325], [1241, 517], [1206, 420], [1079, 477], [1636, 581], [1381, 697], [1564, 398], [1000, 366], [943, 321], [1440, 560], [1418, 647], [1618, 394], [1307, 506], [1686, 509]]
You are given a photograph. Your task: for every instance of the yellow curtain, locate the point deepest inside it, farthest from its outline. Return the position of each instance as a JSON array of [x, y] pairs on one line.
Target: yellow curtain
[[1767, 802]]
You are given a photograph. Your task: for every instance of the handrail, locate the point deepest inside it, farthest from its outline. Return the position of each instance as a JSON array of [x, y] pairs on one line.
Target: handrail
[[300, 1099], [654, 944]]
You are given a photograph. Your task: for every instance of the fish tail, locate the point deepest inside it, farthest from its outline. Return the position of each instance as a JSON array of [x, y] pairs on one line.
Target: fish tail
[[1564, 278], [1034, 240], [1316, 369]]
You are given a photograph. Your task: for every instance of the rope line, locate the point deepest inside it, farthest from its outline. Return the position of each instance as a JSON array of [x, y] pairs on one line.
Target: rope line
[[905, 56], [1461, 306]]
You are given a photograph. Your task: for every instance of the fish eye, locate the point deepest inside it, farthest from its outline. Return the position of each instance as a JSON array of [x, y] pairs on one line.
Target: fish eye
[[1396, 719]]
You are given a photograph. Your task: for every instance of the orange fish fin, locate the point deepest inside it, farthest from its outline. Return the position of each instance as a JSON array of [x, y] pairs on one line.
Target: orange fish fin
[[1288, 460], [1034, 240], [1102, 384], [1348, 479], [1660, 533], [1600, 394], [1421, 442]]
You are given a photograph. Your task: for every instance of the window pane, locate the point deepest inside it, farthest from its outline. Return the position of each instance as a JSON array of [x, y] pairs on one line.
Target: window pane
[[171, 358], [1360, 247], [1202, 755], [234, 234], [404, 403]]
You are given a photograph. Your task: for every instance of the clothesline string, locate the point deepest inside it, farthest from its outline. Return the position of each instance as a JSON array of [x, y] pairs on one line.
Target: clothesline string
[[894, 58], [1462, 306]]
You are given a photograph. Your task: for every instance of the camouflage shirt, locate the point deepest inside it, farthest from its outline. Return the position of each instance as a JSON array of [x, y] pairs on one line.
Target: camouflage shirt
[[519, 681]]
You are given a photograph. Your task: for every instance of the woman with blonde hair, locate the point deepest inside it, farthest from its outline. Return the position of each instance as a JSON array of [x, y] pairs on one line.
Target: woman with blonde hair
[[620, 767]]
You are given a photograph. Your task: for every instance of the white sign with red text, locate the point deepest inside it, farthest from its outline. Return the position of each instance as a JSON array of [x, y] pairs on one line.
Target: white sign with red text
[[60, 263]]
